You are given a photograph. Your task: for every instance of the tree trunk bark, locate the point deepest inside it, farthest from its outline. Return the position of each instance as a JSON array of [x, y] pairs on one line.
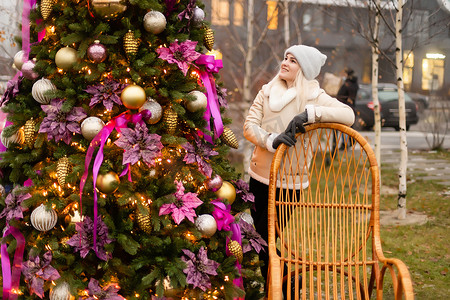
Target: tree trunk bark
[[376, 102], [401, 205], [247, 87]]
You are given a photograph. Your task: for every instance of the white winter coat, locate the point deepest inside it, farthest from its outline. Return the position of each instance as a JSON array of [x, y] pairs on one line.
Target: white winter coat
[[273, 109]]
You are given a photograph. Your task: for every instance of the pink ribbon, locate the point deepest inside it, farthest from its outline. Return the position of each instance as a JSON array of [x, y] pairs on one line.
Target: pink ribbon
[[26, 45], [27, 6], [100, 139], [236, 236], [11, 277], [212, 65], [225, 221], [222, 215]]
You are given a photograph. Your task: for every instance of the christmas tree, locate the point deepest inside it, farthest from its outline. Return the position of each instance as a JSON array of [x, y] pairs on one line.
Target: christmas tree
[[116, 182]]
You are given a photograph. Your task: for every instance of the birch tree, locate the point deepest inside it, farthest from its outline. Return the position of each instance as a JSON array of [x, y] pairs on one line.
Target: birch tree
[[401, 201]]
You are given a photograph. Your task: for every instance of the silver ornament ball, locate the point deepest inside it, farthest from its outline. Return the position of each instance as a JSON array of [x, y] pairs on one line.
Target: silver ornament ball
[[155, 110], [28, 70], [198, 16], [61, 292], [18, 59], [91, 126], [200, 101], [40, 88], [206, 224], [17, 138], [155, 22], [43, 219]]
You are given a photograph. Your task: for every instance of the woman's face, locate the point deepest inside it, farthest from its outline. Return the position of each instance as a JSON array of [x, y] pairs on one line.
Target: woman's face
[[289, 69]]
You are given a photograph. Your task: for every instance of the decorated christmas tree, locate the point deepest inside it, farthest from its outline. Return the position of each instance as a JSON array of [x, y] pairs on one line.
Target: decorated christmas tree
[[115, 177]]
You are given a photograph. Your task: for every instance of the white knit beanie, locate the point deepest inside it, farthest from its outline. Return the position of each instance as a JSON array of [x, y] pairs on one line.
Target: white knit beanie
[[309, 58]]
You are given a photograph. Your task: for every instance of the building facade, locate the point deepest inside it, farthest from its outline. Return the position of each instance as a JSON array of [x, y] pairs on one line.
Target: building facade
[[342, 32]]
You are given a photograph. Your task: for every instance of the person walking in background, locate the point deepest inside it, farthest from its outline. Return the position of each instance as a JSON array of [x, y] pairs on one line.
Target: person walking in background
[[348, 91], [347, 94], [292, 98]]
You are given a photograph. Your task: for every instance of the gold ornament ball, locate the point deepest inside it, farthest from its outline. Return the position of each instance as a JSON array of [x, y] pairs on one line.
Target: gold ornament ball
[[133, 97], [199, 103], [108, 183], [108, 9], [227, 191], [65, 58], [91, 126]]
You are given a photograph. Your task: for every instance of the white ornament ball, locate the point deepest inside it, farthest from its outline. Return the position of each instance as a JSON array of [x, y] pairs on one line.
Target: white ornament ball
[[154, 108], [28, 70], [61, 292], [155, 22], [18, 60], [65, 58], [199, 103], [17, 138], [245, 217], [198, 16], [40, 88], [43, 219], [91, 126], [206, 224]]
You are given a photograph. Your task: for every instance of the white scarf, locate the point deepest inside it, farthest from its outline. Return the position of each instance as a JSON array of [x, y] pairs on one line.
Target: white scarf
[[280, 95]]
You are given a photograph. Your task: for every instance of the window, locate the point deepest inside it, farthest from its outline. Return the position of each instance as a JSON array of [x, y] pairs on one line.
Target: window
[[220, 12], [418, 25], [433, 71], [408, 67], [312, 19], [272, 15], [238, 15]]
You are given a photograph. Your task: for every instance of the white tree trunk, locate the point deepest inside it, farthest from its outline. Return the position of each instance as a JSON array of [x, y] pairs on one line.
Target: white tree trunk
[[376, 102], [401, 205], [247, 87]]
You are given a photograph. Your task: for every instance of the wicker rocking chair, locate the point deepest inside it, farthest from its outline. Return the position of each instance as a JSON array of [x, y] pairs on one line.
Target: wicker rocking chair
[[324, 238]]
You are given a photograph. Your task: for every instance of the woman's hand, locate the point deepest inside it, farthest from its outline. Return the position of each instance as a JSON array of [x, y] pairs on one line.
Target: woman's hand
[[284, 138], [296, 125]]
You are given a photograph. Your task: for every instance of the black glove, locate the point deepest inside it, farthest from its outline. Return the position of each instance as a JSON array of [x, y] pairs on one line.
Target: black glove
[[296, 125], [285, 139]]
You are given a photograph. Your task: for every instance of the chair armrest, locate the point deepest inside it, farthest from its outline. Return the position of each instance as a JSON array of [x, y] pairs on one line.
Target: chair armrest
[[401, 281]]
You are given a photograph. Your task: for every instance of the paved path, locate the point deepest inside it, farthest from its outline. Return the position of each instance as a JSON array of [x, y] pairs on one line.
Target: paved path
[[421, 163], [420, 160]]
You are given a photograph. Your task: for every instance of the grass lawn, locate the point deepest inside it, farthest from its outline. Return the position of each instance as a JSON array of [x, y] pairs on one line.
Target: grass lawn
[[423, 248]]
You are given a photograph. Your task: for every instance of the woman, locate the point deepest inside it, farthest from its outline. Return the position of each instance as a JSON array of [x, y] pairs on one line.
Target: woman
[[293, 97]]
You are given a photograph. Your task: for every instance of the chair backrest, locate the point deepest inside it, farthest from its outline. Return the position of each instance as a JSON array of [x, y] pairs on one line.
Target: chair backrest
[[323, 231]]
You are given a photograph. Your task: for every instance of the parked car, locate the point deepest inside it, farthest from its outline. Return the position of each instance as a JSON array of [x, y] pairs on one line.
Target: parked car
[[388, 97], [422, 101]]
